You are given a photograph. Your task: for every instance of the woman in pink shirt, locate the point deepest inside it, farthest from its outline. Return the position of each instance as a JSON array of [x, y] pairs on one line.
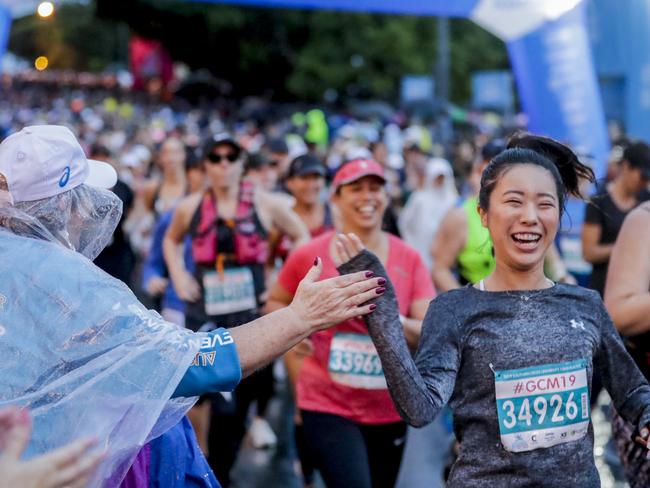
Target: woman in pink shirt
[[349, 421]]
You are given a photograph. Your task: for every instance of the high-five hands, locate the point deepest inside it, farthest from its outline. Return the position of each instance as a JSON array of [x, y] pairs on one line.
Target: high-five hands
[[321, 304]]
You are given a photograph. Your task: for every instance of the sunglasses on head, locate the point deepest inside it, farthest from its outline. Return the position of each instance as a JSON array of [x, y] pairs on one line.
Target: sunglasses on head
[[216, 158]]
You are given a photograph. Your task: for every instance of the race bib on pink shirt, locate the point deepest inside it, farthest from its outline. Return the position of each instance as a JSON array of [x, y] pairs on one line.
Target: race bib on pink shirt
[[354, 362]]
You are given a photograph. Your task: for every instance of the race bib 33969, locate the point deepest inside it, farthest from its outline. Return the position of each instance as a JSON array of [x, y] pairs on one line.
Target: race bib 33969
[[354, 362], [542, 406]]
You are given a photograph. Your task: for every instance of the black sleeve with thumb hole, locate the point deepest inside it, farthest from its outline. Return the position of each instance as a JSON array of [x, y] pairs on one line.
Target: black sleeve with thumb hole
[[406, 385]]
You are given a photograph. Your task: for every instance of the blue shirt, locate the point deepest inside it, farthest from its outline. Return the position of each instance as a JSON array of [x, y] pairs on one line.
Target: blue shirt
[[155, 267]]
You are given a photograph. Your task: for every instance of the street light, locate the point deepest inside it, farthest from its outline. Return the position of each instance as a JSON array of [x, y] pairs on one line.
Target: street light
[[41, 63], [45, 9]]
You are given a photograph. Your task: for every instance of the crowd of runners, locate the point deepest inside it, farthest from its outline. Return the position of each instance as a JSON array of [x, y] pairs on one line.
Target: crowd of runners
[[390, 276]]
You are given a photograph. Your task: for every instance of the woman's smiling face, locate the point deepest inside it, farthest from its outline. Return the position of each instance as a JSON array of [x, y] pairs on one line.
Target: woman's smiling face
[[523, 216], [362, 203]]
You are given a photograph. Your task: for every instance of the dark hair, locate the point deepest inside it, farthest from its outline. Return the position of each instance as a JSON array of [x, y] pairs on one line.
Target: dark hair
[[637, 154], [192, 159], [255, 161], [492, 149], [99, 151], [556, 158]]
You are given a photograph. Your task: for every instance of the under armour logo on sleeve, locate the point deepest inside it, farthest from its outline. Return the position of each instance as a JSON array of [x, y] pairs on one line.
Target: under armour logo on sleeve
[[577, 324]]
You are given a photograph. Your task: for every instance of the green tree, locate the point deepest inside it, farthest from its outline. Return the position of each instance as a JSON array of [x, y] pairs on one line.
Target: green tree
[[361, 54], [285, 54], [472, 49]]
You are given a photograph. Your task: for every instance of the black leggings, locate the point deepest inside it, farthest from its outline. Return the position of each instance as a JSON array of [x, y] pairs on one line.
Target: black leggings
[[307, 463], [351, 455], [228, 422]]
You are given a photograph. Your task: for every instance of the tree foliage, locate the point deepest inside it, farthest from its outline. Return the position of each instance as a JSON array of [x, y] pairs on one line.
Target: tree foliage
[[285, 54]]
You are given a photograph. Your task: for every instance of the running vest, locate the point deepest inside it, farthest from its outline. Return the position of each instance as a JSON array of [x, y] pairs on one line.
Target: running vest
[[250, 245], [229, 255], [475, 261]]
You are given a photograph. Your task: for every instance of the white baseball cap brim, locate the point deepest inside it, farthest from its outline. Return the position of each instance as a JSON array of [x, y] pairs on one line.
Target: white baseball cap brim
[[100, 174], [42, 161]]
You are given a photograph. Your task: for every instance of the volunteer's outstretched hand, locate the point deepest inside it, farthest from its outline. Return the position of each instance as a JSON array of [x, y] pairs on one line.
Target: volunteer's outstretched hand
[[316, 305], [321, 304], [70, 466]]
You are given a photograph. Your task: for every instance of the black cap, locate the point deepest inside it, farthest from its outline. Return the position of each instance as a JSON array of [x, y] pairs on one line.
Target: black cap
[[637, 155], [218, 140], [492, 148], [306, 165], [278, 146]]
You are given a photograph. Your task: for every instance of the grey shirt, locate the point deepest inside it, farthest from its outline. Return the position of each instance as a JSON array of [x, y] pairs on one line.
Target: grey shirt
[[469, 334]]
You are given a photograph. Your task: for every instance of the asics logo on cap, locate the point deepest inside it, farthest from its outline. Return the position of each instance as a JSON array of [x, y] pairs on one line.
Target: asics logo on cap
[[65, 177]]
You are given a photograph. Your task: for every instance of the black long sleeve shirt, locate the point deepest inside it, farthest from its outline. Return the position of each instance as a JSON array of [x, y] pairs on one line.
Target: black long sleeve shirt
[[471, 340]]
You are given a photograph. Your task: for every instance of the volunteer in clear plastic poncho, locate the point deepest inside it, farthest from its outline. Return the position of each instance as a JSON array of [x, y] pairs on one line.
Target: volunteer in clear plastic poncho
[[78, 349]]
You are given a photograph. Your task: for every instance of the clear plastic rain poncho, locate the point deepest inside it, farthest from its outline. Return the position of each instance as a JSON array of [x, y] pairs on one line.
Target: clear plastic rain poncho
[[78, 349]]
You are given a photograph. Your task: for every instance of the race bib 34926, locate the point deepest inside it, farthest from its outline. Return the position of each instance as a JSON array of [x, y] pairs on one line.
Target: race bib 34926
[[542, 406]]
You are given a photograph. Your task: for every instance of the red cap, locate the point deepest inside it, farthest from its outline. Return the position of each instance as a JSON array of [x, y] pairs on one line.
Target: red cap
[[355, 170]]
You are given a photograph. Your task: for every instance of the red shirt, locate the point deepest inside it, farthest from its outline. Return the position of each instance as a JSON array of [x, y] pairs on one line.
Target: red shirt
[[343, 376]]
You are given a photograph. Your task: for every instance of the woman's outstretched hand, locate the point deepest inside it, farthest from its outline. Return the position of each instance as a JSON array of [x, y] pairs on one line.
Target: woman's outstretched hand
[[321, 304], [347, 246]]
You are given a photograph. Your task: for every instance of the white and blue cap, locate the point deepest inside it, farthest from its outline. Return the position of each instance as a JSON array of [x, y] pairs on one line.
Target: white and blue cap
[[42, 161]]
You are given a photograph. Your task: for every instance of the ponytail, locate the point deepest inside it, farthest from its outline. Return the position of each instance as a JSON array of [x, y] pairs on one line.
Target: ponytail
[[571, 170]]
